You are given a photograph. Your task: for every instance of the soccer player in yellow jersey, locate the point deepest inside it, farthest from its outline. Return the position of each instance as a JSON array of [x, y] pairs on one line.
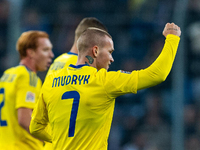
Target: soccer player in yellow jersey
[[78, 101], [19, 90], [71, 57]]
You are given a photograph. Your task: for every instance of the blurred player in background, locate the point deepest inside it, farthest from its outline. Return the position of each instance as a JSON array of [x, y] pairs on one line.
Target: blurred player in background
[[71, 57], [19, 90], [78, 101]]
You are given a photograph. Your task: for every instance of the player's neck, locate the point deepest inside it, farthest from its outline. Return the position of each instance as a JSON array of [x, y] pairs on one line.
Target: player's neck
[[85, 60], [28, 63], [74, 49]]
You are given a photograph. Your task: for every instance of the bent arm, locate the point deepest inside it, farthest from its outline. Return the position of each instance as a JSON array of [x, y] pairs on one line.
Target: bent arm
[[159, 70], [39, 121], [24, 117], [38, 131]]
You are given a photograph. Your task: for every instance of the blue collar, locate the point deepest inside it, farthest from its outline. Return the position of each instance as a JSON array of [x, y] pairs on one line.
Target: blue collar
[[71, 53], [78, 66]]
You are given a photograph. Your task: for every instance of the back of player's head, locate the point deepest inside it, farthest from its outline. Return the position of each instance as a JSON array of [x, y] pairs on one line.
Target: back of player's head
[[91, 37], [86, 23], [29, 40]]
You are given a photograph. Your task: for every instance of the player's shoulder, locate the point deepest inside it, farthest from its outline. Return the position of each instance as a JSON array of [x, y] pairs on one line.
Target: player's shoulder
[[65, 56], [54, 74], [25, 73], [104, 74], [20, 69], [61, 57], [102, 71], [51, 76], [20, 72]]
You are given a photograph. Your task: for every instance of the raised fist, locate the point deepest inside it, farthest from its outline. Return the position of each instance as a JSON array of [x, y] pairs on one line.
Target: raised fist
[[171, 28]]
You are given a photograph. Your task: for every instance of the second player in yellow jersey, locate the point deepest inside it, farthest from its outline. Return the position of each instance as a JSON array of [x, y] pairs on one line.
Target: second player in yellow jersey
[[19, 87]]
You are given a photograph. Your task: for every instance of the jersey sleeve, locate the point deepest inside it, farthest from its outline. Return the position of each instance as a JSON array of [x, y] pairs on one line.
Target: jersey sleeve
[[161, 67], [39, 121], [27, 89], [117, 83]]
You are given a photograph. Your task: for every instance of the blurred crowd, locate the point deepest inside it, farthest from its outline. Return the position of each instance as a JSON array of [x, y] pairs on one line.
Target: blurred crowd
[[142, 121]]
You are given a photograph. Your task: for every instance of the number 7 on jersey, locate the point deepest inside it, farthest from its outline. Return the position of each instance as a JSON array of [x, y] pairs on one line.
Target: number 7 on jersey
[[76, 96]]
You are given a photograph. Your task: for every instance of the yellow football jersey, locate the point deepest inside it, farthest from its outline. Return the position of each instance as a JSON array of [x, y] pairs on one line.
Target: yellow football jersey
[[19, 87], [80, 102], [63, 60]]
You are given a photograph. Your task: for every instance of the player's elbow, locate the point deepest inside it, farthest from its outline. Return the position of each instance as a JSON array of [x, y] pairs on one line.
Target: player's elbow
[[38, 131], [161, 78], [33, 129], [25, 126], [161, 74], [158, 77]]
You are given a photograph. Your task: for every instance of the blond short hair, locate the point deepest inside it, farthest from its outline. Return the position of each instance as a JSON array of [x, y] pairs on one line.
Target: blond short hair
[[86, 23], [91, 37]]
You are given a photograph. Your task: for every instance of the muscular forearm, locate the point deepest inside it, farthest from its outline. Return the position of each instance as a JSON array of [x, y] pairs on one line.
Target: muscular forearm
[[161, 67], [38, 131]]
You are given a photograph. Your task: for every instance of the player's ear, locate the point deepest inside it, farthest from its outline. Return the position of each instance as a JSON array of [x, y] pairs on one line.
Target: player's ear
[[30, 52], [95, 50]]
